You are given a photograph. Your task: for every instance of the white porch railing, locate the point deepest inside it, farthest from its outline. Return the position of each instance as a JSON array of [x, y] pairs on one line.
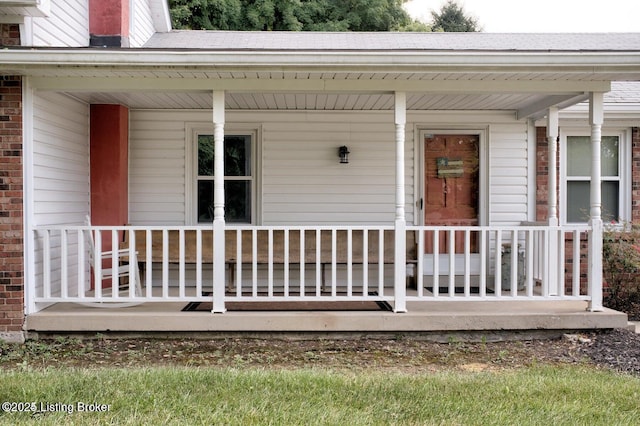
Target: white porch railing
[[481, 263], [302, 263]]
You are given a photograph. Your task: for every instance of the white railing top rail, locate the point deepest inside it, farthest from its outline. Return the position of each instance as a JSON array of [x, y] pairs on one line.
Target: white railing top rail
[[565, 228]]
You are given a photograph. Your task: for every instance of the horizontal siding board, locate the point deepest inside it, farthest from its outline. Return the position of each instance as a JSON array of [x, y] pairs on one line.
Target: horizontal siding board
[[508, 173], [157, 167]]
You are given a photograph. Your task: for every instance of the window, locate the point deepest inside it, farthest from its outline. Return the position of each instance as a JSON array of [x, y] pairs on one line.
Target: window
[[238, 178], [577, 177]]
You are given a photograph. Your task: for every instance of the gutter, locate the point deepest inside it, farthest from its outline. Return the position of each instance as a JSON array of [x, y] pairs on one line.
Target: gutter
[[582, 61]]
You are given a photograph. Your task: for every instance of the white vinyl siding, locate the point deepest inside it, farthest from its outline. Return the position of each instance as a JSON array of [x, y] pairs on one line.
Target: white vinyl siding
[[142, 27], [304, 182], [61, 160], [301, 179], [157, 167], [61, 177], [509, 182], [66, 26]]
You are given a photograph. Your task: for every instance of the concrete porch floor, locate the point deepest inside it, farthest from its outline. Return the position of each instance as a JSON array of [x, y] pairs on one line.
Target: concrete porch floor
[[423, 317]]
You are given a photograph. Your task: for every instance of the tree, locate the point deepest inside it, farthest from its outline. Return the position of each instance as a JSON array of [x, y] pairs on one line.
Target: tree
[[452, 18], [292, 15]]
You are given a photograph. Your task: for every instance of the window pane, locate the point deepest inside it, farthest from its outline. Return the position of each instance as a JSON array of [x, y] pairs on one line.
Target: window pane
[[237, 155], [579, 156], [578, 201], [237, 201], [205, 155], [237, 196], [205, 201], [609, 156], [237, 159], [610, 192]]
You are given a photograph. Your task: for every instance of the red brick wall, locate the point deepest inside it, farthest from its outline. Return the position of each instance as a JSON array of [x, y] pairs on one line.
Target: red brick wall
[[11, 227], [9, 35], [635, 175]]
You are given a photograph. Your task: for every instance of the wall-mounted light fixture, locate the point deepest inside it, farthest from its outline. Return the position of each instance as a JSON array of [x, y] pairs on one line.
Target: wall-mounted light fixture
[[343, 153]]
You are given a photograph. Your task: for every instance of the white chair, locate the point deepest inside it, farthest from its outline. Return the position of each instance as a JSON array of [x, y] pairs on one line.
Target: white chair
[[122, 271]]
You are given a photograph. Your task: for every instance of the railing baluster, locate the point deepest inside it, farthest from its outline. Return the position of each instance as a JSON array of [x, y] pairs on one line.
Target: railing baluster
[[303, 259], [575, 291], [365, 262], [498, 264], [467, 262], [46, 263], [531, 235], [484, 247], [64, 264], [514, 263], [198, 262], [238, 274], [286, 262], [436, 263], [381, 262], [270, 262], [97, 267], [148, 270], [81, 265], [133, 266], [420, 265], [254, 262], [545, 265], [165, 263], [561, 258], [115, 264], [181, 264], [318, 262], [334, 266], [349, 262], [452, 262]]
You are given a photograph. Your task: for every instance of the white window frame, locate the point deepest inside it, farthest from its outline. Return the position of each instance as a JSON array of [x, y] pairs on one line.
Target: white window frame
[[193, 130], [624, 170]]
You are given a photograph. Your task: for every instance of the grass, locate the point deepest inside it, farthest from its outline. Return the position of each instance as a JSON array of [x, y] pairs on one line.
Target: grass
[[534, 395]]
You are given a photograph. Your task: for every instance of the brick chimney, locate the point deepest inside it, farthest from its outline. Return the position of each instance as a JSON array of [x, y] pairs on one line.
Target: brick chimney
[[109, 23]]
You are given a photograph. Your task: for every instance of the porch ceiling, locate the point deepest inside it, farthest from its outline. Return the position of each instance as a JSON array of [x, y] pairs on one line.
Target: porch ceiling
[[314, 101]]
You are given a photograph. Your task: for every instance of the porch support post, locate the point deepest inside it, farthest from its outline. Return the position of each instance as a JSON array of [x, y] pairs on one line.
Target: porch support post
[[400, 265], [596, 118], [554, 277], [218, 204]]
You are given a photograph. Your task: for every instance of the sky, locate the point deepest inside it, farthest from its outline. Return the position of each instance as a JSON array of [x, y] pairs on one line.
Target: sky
[[543, 16]]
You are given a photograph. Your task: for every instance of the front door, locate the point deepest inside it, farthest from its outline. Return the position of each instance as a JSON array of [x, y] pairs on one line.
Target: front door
[[452, 171]]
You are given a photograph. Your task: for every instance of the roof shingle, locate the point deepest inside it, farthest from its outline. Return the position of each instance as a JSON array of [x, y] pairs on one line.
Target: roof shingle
[[392, 41]]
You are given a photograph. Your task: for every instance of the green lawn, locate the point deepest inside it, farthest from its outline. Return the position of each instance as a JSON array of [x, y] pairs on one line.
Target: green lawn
[[540, 396]]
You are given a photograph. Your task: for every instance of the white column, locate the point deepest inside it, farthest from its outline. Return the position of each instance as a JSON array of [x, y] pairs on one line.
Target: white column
[[596, 118], [400, 272], [219, 276], [552, 140], [554, 277]]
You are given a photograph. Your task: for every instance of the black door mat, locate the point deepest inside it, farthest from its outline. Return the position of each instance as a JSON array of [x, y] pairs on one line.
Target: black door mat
[[459, 290], [289, 306]]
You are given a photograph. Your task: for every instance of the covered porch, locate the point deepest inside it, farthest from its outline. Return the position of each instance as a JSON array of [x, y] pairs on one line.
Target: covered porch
[[356, 231]]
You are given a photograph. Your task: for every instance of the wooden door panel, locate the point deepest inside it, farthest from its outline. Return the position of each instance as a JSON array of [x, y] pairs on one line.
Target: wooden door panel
[[451, 186]]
